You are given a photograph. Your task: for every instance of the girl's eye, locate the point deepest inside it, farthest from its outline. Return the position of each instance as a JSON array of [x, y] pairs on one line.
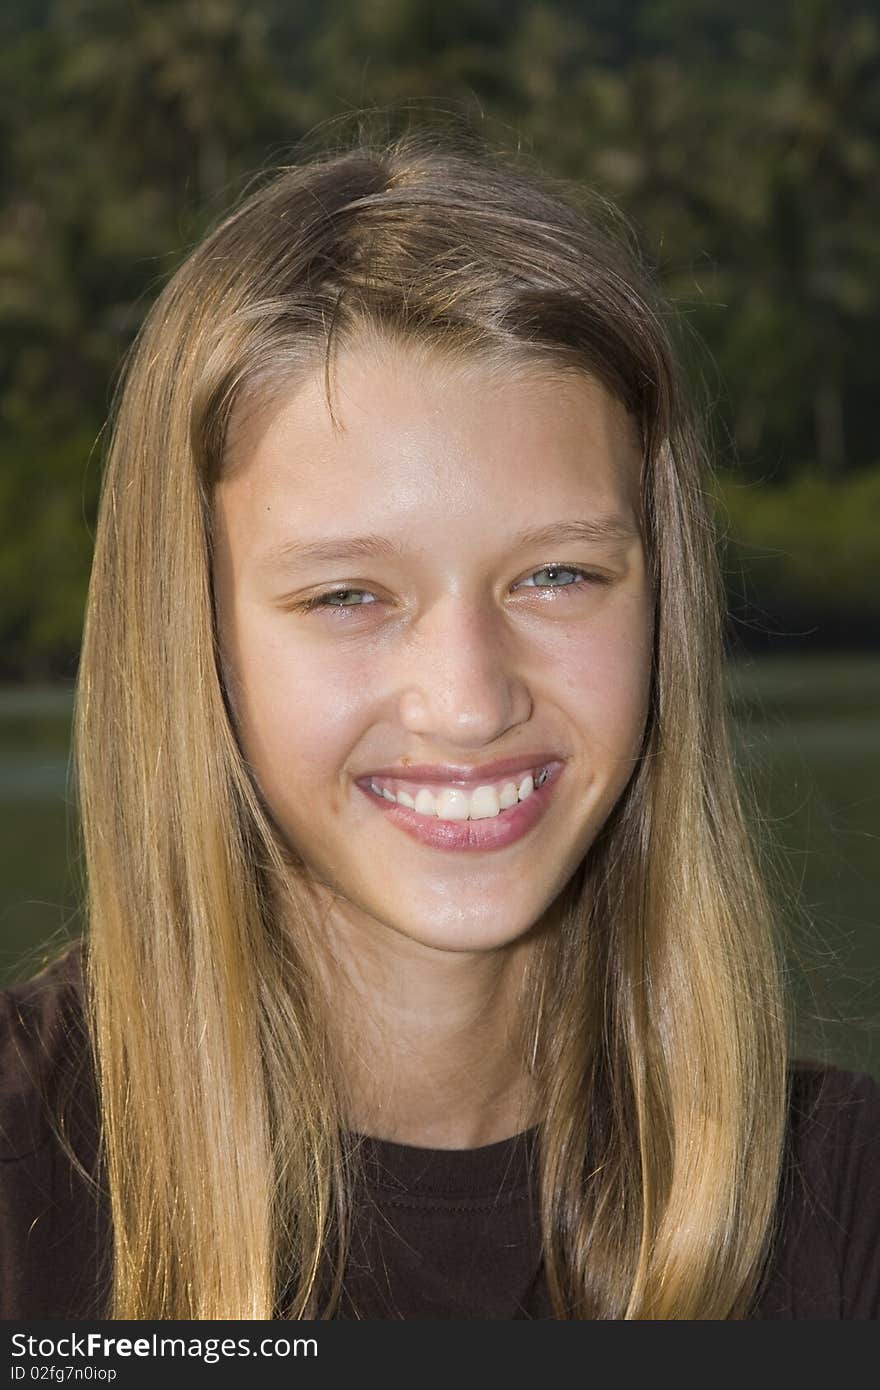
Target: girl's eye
[[328, 600], [586, 577], [338, 598]]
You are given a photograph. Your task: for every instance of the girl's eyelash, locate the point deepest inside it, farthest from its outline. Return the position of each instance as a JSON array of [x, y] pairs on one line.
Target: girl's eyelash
[[588, 577]]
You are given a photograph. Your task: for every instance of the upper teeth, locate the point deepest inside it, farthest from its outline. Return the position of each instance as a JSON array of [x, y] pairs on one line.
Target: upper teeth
[[456, 803]]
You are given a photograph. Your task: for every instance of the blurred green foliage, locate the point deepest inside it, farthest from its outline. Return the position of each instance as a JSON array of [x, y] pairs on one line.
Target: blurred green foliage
[[741, 138], [804, 554]]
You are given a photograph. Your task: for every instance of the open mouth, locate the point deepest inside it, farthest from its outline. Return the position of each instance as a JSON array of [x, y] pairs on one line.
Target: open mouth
[[477, 818]]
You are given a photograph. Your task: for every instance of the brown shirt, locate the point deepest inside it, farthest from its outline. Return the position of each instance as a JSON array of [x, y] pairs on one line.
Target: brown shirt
[[439, 1233]]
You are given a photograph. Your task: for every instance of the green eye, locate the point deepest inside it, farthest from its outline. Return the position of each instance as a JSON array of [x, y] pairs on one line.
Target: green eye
[[326, 600]]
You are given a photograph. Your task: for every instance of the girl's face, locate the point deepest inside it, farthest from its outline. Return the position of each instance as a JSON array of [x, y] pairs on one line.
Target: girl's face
[[457, 634]]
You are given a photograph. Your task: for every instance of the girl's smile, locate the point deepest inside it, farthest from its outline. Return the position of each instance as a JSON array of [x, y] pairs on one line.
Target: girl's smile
[[475, 816], [422, 612]]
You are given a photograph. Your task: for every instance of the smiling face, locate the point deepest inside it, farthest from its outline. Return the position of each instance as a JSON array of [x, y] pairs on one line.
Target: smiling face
[[452, 643]]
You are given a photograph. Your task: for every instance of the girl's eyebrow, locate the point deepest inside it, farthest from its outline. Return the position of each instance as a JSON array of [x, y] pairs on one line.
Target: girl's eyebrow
[[602, 529]]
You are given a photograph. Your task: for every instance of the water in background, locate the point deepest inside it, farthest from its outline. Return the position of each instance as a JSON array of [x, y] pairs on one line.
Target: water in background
[[808, 746]]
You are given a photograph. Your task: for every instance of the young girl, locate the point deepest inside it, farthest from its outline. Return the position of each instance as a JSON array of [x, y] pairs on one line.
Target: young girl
[[429, 971]]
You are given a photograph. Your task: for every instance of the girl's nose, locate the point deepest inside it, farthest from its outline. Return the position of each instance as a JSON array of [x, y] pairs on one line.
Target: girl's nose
[[461, 682]]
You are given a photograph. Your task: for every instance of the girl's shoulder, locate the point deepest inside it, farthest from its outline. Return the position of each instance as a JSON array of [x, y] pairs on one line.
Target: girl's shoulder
[[43, 1050], [825, 1259], [54, 1216], [833, 1115]]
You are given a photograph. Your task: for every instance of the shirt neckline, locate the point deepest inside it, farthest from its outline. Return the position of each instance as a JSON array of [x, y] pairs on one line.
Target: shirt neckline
[[502, 1167]]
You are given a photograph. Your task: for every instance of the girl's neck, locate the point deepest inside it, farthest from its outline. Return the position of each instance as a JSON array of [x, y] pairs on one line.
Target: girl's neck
[[428, 1040]]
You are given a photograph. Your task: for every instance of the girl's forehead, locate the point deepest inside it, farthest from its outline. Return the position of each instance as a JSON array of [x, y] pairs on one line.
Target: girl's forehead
[[393, 408]]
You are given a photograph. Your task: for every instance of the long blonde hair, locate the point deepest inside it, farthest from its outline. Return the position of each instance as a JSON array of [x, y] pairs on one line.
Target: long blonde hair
[[662, 1063]]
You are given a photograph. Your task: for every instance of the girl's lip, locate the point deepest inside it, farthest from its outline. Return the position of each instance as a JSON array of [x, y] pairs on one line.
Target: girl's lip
[[451, 774], [495, 832]]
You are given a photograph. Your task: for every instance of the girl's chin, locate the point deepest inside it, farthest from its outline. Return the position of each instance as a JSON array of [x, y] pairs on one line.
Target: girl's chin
[[486, 931]]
